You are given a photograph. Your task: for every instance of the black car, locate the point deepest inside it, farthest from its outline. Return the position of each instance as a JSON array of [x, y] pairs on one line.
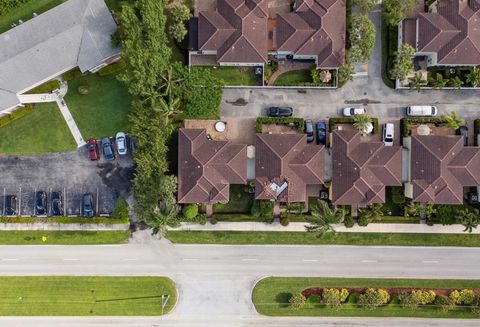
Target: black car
[[463, 130], [107, 149], [309, 130], [321, 128], [10, 205], [87, 205], [280, 112], [56, 204], [41, 203]]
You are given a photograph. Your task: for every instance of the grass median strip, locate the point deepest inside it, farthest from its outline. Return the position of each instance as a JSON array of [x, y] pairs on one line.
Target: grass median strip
[[249, 237], [86, 296], [13, 237], [271, 297]]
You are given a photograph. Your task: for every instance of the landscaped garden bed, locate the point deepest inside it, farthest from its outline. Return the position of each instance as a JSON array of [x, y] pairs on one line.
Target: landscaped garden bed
[[284, 296], [350, 120], [407, 123], [296, 122], [305, 77], [235, 76]]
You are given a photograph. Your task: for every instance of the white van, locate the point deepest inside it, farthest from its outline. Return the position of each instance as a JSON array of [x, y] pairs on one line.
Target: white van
[[388, 134], [421, 111]]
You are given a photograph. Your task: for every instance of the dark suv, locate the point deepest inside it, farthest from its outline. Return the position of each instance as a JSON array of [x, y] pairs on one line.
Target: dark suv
[[87, 205], [10, 205], [280, 112], [56, 204], [41, 203]]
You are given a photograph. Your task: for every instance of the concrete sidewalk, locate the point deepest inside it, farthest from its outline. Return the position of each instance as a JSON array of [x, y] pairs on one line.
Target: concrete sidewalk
[[300, 227]]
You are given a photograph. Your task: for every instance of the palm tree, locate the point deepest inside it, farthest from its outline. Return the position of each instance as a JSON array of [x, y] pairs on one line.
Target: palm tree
[[164, 215], [362, 122], [469, 219], [453, 122], [456, 82], [322, 215], [419, 210], [372, 212], [474, 77], [417, 82], [439, 82]]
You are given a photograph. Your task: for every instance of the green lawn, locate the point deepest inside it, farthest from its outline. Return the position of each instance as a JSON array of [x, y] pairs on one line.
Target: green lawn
[[240, 201], [43, 130], [104, 110], [25, 12], [399, 239], [236, 76], [293, 78], [63, 237], [270, 297], [85, 296]]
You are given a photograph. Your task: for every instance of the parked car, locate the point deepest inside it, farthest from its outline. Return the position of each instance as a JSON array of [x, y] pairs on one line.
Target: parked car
[[388, 131], [121, 141], [56, 204], [10, 205], [87, 205], [348, 112], [427, 111], [41, 203], [280, 112], [309, 130], [463, 130], [93, 151], [321, 128], [107, 149]]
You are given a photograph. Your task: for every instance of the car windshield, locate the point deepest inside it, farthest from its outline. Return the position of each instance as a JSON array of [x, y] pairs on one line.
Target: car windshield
[[388, 139], [352, 111]]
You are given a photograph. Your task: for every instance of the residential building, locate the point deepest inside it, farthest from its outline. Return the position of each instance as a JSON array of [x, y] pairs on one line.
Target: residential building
[[285, 166], [73, 34], [362, 169], [447, 35], [243, 33], [207, 167], [440, 168]]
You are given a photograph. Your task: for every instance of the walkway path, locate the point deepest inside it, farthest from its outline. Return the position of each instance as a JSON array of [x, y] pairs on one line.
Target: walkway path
[[300, 227], [70, 122]]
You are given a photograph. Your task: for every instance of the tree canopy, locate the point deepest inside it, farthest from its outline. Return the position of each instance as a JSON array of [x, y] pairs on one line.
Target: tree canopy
[[362, 37], [396, 10]]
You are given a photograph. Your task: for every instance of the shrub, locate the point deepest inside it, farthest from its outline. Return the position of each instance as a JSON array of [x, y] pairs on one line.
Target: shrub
[[296, 207], [255, 209], [424, 297], [467, 296], [349, 120], [348, 222], [285, 221], [19, 113], [373, 298], [45, 87], [475, 306], [72, 74], [190, 211], [455, 297], [213, 221], [398, 195], [444, 302], [407, 300], [297, 301], [333, 297], [202, 219], [121, 209], [279, 120], [113, 68], [263, 209], [268, 220]]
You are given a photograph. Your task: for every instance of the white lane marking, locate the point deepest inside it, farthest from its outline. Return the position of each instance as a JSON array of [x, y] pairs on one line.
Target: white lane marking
[[127, 259], [9, 259], [429, 261], [309, 260], [369, 261], [190, 259], [249, 259], [67, 259]]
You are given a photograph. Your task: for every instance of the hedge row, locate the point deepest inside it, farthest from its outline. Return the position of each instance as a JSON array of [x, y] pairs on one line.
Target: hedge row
[[350, 120], [19, 113], [45, 87], [113, 68], [64, 220], [280, 120], [407, 123]]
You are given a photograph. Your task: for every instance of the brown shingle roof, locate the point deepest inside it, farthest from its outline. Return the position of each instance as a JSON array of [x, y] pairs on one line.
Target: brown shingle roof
[[361, 170], [317, 27], [287, 158], [453, 32], [441, 166], [206, 168], [237, 30]]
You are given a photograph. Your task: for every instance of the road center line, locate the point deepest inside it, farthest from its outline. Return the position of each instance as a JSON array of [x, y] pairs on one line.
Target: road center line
[[309, 260], [67, 259], [249, 259], [9, 259], [190, 259], [429, 261], [369, 261]]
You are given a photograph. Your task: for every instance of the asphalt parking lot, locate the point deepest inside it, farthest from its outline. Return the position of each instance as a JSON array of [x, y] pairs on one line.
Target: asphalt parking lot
[[71, 173]]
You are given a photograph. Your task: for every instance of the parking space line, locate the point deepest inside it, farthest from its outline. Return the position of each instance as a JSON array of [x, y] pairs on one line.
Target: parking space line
[[4, 198], [71, 259], [65, 202], [20, 203], [34, 200]]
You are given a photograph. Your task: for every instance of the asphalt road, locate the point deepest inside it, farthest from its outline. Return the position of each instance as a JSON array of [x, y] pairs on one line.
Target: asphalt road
[[215, 282]]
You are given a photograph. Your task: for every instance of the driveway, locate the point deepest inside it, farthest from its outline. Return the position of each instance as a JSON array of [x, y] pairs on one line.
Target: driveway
[[71, 173]]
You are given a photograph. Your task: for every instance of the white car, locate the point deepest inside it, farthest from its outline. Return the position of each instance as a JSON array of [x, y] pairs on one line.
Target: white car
[[348, 112], [121, 141], [388, 134]]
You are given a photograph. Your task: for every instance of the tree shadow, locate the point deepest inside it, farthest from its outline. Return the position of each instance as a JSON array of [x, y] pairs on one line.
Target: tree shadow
[[282, 299]]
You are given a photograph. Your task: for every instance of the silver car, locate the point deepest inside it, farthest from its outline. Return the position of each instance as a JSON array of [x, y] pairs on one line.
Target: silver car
[[121, 141]]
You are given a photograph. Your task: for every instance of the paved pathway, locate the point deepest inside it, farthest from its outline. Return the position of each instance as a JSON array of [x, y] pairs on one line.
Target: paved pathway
[[70, 122], [300, 227]]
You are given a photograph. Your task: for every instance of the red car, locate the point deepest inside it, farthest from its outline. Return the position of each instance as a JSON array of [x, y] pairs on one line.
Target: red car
[[93, 151]]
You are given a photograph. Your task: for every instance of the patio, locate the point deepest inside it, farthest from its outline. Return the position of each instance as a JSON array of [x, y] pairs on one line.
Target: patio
[[237, 130], [431, 129]]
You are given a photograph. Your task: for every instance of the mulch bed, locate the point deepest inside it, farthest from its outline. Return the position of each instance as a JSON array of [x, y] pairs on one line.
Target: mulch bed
[[392, 291]]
